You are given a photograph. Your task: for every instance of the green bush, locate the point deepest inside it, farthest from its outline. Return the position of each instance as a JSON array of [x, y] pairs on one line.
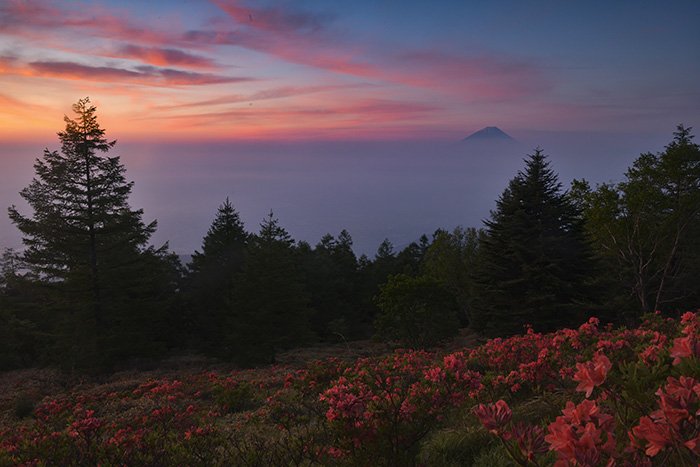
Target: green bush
[[417, 311], [454, 448], [236, 397], [494, 456]]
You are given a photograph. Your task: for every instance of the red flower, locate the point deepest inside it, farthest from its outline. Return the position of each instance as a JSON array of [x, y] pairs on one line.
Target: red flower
[[582, 435], [561, 437], [657, 435], [675, 421], [592, 374], [694, 445], [494, 416], [530, 440], [684, 347]]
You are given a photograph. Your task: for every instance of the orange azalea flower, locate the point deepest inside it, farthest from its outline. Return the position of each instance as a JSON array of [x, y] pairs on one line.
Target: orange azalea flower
[[694, 445], [582, 435], [592, 374], [494, 416], [657, 435], [684, 347]]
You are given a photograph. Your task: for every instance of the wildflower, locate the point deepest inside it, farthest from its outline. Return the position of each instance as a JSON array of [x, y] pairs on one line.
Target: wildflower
[[684, 347], [592, 374], [657, 435], [494, 416], [530, 440], [582, 435], [693, 445], [673, 422]]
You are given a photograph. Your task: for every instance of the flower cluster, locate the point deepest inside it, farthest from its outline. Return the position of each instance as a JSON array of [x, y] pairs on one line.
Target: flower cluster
[[675, 425], [390, 401], [596, 431], [494, 417], [575, 397], [688, 345], [583, 435], [592, 374], [524, 442]]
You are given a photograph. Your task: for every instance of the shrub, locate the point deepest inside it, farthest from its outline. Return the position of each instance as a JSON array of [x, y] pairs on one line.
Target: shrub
[[418, 311], [454, 447]]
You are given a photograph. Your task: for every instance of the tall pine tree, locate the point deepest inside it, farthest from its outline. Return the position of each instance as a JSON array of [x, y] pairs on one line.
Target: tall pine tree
[[270, 311], [86, 244], [332, 278], [534, 263], [211, 284]]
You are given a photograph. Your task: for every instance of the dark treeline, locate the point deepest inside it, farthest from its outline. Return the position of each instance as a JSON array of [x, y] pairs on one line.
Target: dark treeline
[[88, 293]]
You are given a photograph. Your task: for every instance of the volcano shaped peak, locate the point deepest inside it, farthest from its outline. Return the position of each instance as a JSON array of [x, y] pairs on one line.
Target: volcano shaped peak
[[489, 133]]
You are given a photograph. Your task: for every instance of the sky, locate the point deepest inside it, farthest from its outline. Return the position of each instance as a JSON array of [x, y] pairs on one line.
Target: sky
[[201, 93]]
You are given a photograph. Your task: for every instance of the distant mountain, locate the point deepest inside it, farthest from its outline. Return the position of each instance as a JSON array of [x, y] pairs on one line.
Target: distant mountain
[[488, 134]]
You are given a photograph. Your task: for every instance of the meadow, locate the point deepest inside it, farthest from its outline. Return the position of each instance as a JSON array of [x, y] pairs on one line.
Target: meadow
[[588, 396]]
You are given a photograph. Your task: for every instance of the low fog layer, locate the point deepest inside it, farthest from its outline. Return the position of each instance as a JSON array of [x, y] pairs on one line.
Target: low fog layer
[[375, 190]]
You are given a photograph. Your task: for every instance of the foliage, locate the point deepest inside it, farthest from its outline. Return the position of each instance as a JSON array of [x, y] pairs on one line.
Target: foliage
[[270, 310], [210, 286], [563, 398], [646, 228], [333, 280], [536, 266], [451, 259], [104, 289], [418, 311], [454, 447]]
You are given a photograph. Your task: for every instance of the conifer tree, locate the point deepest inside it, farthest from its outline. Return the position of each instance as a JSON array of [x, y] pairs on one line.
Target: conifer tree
[[87, 245], [224, 242], [210, 284], [20, 317], [270, 311], [535, 263], [332, 277]]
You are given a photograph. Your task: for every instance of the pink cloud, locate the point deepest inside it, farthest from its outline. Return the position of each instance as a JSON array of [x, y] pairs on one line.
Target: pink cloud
[[266, 94], [275, 19], [146, 75], [480, 78], [34, 18], [357, 113], [369, 118], [174, 56], [160, 56], [294, 48], [11, 104], [301, 37], [293, 35]]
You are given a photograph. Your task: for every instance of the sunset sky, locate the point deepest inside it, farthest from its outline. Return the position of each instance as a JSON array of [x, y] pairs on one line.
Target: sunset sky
[[226, 69], [342, 114]]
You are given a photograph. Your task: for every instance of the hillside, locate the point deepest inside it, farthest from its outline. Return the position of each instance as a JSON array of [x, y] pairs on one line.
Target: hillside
[[591, 395]]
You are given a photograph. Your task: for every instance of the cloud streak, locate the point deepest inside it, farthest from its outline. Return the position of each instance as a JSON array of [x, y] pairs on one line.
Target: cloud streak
[[278, 20], [292, 35], [35, 18], [366, 112], [267, 94], [304, 38], [117, 52], [163, 57], [144, 75]]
